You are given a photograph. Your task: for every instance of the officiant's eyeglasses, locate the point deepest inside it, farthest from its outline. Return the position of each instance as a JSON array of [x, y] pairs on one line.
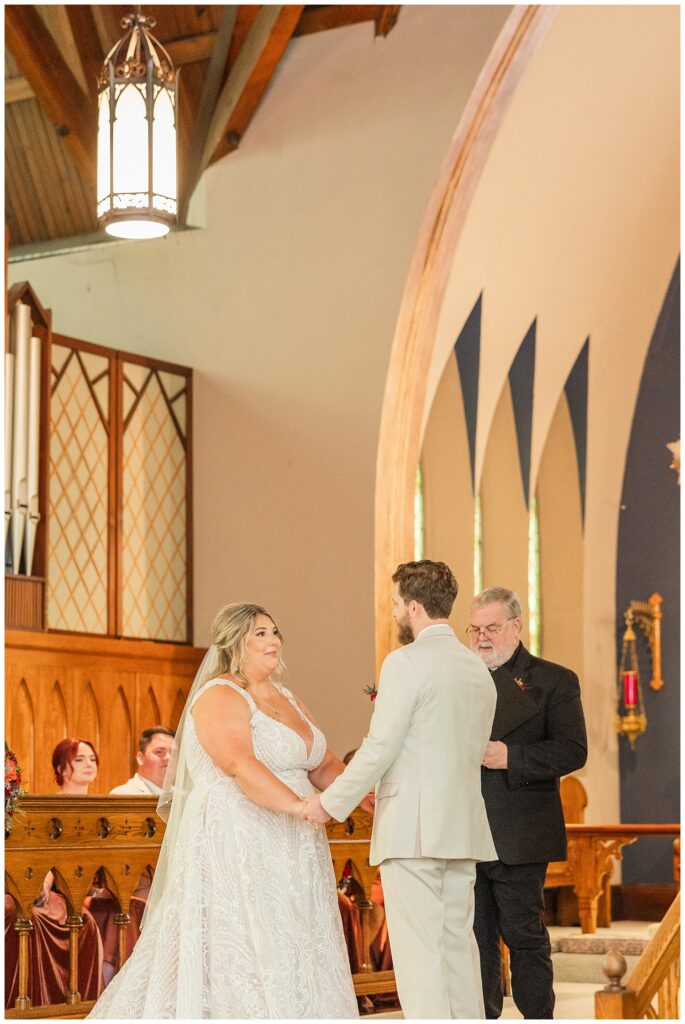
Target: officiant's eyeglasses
[[492, 630]]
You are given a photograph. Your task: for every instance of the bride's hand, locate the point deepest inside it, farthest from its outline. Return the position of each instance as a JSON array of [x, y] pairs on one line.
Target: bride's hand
[[298, 808]]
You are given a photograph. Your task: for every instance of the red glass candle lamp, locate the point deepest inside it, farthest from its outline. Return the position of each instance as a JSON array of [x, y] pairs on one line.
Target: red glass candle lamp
[[630, 720]]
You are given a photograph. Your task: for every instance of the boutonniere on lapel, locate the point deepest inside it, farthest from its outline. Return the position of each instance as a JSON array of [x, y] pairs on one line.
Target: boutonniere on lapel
[[519, 682], [371, 691]]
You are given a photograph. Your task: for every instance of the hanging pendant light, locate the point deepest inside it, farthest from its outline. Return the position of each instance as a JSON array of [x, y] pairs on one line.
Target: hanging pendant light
[[136, 178]]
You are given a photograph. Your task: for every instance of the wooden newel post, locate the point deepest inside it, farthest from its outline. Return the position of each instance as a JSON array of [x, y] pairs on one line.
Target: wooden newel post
[[74, 922], [614, 1001], [365, 908], [24, 925], [122, 922]]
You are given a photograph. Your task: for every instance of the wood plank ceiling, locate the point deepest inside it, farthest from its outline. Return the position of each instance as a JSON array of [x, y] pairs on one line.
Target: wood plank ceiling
[[228, 55]]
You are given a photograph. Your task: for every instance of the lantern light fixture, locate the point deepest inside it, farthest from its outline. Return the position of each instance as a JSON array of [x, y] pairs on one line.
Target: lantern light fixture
[[137, 112], [630, 719]]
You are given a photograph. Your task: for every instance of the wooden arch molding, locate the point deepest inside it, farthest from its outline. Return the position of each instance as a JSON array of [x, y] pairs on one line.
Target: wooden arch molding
[[399, 445]]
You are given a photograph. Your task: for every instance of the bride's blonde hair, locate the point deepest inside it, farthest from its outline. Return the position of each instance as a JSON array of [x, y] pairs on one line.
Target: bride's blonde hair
[[230, 630]]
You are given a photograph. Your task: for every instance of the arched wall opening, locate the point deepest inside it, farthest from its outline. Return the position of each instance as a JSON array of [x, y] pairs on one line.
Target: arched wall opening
[[568, 218]]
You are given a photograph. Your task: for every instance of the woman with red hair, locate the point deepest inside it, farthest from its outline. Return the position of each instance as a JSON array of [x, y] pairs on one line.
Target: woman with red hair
[[75, 763]]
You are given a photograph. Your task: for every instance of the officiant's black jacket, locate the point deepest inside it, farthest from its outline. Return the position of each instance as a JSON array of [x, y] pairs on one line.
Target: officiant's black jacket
[[543, 726]]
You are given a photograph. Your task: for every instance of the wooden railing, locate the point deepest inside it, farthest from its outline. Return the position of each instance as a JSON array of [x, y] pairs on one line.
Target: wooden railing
[[655, 976], [592, 850], [75, 837]]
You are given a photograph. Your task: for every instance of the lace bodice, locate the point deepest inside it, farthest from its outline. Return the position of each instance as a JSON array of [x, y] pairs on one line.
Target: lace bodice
[[275, 744]]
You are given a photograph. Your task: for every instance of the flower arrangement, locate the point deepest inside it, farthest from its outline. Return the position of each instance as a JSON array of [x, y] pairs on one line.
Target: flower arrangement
[[371, 691], [13, 788]]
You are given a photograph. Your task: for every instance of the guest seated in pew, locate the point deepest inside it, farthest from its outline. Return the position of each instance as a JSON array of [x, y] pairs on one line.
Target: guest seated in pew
[[75, 763], [154, 748]]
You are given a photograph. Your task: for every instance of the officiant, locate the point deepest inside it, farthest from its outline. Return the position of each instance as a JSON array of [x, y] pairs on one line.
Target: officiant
[[538, 735]]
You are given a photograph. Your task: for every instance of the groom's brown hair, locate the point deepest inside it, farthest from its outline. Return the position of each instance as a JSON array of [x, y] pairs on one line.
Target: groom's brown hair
[[431, 584]]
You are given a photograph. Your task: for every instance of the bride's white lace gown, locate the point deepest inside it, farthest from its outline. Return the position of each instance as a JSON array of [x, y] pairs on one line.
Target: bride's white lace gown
[[253, 929]]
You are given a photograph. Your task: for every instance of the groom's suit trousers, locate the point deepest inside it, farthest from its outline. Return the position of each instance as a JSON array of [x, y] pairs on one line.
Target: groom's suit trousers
[[429, 905]]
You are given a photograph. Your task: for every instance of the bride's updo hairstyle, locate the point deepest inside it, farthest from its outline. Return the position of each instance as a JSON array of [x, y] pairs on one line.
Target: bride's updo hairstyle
[[230, 630]]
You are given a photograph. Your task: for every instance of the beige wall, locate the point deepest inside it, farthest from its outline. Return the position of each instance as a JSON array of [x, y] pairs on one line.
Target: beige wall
[[285, 305]]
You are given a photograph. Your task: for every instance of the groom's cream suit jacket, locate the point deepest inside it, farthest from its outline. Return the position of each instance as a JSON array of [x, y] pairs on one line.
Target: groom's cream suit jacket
[[431, 722]]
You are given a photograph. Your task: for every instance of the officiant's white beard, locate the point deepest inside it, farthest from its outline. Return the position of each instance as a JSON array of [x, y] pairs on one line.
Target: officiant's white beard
[[492, 657]]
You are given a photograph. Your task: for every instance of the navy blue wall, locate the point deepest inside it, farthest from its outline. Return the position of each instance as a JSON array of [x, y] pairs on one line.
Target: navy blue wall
[[648, 561]]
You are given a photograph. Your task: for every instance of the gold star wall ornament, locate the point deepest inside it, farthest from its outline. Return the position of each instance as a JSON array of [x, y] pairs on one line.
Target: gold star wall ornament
[[674, 449]]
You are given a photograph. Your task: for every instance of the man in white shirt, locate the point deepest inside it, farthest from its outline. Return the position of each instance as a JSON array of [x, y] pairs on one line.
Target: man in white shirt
[[154, 748], [430, 727]]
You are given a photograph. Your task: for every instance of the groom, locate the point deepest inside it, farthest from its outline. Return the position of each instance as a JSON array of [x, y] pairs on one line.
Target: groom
[[430, 726]]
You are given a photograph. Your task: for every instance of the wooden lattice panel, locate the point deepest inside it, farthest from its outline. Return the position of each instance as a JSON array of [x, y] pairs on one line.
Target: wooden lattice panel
[[154, 493], [78, 492]]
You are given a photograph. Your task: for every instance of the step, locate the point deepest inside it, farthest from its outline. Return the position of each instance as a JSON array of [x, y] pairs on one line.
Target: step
[[574, 1002]]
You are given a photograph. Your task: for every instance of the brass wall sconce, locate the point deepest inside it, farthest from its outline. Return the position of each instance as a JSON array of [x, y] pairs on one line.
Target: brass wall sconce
[[631, 719]]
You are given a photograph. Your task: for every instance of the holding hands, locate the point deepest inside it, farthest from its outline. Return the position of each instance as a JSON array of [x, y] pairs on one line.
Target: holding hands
[[311, 809]]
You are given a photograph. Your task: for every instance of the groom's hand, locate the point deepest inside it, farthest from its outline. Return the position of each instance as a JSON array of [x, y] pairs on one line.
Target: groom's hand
[[314, 812]]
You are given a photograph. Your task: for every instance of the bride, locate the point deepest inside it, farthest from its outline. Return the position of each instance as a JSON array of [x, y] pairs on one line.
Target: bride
[[242, 919]]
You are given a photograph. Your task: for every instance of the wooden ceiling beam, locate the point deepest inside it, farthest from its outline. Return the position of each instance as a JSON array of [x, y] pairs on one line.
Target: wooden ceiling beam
[[190, 49], [387, 19], [249, 77], [17, 89], [56, 89], [191, 168], [84, 30], [321, 19], [198, 47]]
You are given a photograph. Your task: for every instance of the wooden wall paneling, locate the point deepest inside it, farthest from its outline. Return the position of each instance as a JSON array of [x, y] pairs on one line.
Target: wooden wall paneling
[[148, 712], [61, 685], [87, 718], [174, 715], [104, 700], [161, 700], [20, 721]]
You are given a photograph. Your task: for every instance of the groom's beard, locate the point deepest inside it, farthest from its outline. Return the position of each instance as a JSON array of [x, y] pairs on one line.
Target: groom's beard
[[404, 633]]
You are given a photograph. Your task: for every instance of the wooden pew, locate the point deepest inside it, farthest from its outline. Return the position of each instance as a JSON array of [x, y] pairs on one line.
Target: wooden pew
[[76, 836]]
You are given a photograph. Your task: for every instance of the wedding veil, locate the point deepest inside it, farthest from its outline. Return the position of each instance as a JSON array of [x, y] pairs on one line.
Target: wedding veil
[[177, 787]]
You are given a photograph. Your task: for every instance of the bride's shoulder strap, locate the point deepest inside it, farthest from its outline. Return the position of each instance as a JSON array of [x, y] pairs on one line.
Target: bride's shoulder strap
[[226, 682]]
